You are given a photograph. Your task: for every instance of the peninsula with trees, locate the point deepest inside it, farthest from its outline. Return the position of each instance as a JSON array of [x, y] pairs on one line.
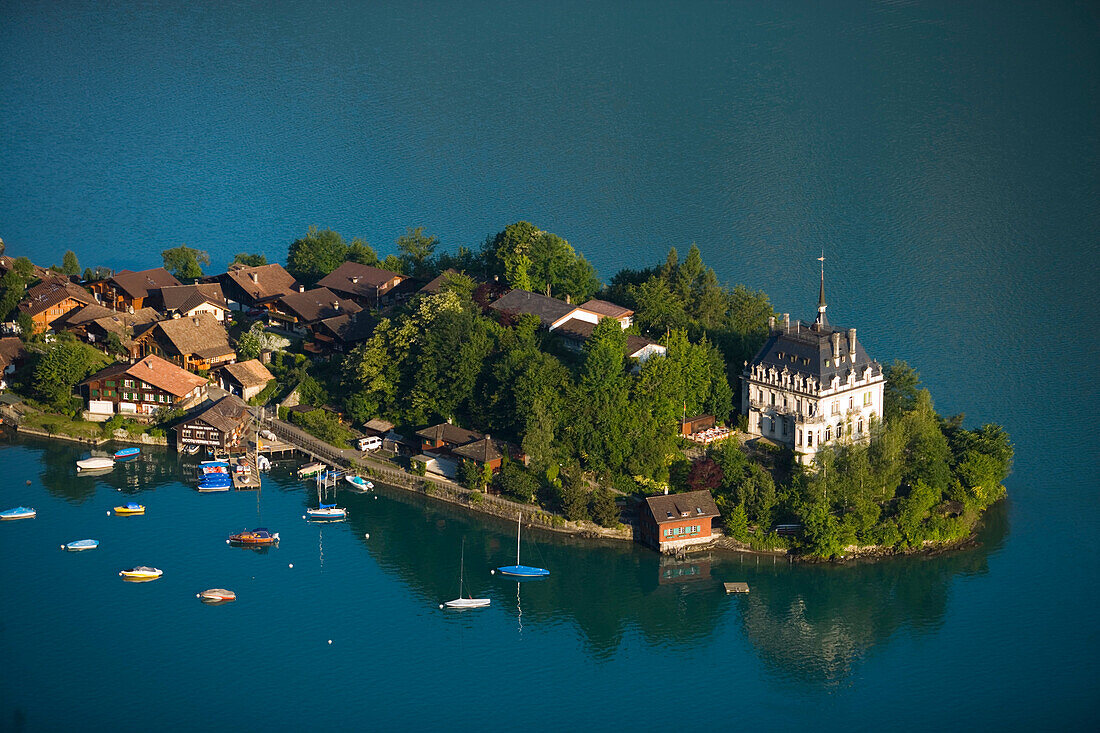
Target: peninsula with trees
[[512, 369]]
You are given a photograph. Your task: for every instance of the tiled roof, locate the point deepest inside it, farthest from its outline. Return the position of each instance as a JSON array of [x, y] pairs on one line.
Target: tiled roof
[[350, 328], [249, 373], [448, 433], [436, 284], [679, 507], [138, 284], [604, 308], [50, 293], [521, 302], [184, 298], [809, 352], [356, 279], [634, 344], [313, 305], [156, 371], [482, 451], [11, 349], [576, 329], [202, 335], [112, 321], [227, 414], [265, 281]]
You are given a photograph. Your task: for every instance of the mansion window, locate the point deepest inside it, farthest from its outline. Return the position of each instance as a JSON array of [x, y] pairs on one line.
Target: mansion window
[[828, 433], [836, 408], [860, 428], [784, 426], [809, 439], [773, 398], [851, 402], [799, 441], [810, 409], [866, 398]]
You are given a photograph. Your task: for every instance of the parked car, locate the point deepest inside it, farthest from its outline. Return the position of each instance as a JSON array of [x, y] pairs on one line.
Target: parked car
[[371, 443]]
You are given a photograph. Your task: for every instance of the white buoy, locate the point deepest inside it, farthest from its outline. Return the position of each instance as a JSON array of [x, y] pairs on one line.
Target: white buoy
[[367, 535], [62, 547], [227, 542], [330, 641], [290, 565], [441, 605], [492, 572], [198, 595], [108, 512]]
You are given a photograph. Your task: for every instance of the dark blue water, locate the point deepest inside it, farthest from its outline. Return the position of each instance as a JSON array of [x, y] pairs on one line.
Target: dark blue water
[[944, 155]]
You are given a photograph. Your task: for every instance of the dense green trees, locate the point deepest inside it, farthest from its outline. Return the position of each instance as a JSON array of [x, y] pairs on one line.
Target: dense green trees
[[69, 264], [250, 260], [185, 262], [531, 259], [61, 367], [315, 255]]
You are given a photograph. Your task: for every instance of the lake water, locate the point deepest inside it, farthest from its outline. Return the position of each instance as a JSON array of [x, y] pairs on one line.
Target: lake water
[[944, 155]]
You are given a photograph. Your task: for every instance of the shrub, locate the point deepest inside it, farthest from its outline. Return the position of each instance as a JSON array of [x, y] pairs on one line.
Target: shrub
[[604, 509]]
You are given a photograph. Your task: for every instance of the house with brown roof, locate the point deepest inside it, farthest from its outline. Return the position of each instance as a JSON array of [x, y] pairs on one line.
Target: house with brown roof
[[436, 284], [244, 379], [260, 287], [368, 286], [342, 332], [198, 342], [182, 301], [606, 309], [672, 521], [449, 442], [12, 355], [220, 425], [128, 289], [299, 311], [94, 323], [49, 302], [142, 388], [575, 332]]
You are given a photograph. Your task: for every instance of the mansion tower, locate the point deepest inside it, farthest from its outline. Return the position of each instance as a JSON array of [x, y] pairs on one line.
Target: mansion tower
[[811, 385]]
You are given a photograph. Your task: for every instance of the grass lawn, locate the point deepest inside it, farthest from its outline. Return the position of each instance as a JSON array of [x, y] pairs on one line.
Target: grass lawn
[[60, 424]]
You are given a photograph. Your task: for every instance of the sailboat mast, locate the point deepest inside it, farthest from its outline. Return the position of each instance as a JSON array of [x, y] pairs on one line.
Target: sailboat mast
[[461, 567], [519, 524]]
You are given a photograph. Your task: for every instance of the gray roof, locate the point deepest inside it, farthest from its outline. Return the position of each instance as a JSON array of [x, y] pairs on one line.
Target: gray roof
[[353, 278], [523, 302], [140, 284], [183, 298], [680, 507], [227, 414], [803, 350], [314, 305]]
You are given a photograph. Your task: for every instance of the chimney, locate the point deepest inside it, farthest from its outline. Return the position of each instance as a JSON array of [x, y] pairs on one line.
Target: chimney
[[301, 288], [666, 491], [852, 343], [771, 323], [195, 320], [355, 279], [787, 322], [836, 345], [336, 305], [149, 363], [254, 277], [568, 300]]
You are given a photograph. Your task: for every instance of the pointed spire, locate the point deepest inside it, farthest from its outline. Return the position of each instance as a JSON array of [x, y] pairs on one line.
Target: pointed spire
[[821, 320]]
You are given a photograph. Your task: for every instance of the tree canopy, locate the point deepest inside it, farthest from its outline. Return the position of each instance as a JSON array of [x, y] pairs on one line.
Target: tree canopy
[[184, 262]]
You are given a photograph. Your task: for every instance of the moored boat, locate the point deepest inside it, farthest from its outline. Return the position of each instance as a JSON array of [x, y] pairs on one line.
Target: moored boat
[[359, 482], [258, 536], [126, 453], [215, 482], [130, 508], [310, 469], [212, 467], [191, 449], [217, 595], [19, 512], [522, 571], [465, 602], [80, 545], [141, 572], [327, 511], [95, 463]]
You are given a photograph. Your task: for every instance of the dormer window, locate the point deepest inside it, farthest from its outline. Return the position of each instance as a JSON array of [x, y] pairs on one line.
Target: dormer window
[[669, 514]]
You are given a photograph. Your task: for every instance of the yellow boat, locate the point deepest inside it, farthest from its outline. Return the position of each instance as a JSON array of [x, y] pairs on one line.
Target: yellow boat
[[130, 509], [141, 572]]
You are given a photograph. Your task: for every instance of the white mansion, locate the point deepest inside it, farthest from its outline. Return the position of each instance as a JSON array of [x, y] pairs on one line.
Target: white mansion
[[811, 385]]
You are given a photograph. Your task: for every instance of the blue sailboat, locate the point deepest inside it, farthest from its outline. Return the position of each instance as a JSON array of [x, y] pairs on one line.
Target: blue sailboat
[[522, 571]]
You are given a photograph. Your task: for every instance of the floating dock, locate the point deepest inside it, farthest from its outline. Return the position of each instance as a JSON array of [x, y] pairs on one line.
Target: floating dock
[[736, 587]]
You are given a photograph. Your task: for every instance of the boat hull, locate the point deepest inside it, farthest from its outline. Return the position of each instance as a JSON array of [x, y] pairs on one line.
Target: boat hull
[[124, 511], [136, 574], [217, 595], [359, 483], [94, 464], [523, 571], [460, 603], [326, 513], [20, 512], [81, 545]]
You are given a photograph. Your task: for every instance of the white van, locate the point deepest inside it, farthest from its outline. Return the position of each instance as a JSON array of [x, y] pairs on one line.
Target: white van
[[371, 443]]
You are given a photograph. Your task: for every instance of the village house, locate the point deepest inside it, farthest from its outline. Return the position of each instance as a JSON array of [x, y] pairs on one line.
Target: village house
[[220, 425], [126, 289], [811, 385], [256, 287], [244, 379], [670, 522], [196, 343], [443, 446], [7, 263], [182, 301], [94, 323], [142, 388], [435, 285], [12, 355], [299, 311], [575, 332], [368, 286], [49, 302], [342, 332], [606, 309]]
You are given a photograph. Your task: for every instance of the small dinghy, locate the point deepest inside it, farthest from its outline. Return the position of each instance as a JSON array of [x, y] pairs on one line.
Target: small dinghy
[[141, 572], [94, 464], [310, 469], [130, 508], [80, 545], [126, 453], [359, 483], [216, 595], [258, 536], [19, 512], [191, 449], [327, 511]]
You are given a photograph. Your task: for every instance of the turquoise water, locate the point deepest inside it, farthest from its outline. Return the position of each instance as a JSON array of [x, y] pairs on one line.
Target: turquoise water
[[944, 155]]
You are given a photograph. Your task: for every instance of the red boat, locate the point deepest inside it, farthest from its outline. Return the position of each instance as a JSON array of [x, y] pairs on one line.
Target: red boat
[[258, 536]]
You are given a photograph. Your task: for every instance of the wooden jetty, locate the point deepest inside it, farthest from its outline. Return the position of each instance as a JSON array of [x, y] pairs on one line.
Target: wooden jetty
[[736, 587]]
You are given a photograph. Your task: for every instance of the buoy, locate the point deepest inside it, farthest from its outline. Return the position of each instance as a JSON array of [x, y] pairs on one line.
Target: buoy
[[367, 535], [198, 595], [28, 482], [227, 542], [441, 605], [62, 547], [290, 565], [492, 572], [330, 641], [108, 512]]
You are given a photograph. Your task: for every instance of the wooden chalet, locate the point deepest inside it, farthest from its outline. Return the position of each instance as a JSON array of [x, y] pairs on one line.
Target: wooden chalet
[[94, 323], [198, 342], [220, 425], [142, 388], [183, 301], [49, 302], [12, 356], [673, 521], [256, 287], [368, 286], [127, 289], [244, 379], [299, 311]]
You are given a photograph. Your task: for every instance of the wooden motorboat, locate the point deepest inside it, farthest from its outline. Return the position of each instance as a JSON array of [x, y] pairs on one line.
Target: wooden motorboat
[[258, 536], [130, 508], [95, 463], [141, 572], [191, 449], [80, 545], [19, 512], [217, 595], [310, 469]]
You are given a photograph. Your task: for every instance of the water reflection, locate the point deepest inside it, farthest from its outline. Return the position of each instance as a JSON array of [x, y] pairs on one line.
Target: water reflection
[[151, 468]]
